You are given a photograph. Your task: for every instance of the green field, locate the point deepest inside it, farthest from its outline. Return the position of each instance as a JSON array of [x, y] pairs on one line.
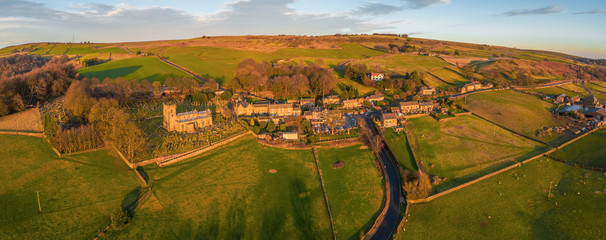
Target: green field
[[346, 51], [588, 151], [112, 50], [355, 192], [80, 50], [150, 68], [598, 89], [514, 205], [231, 193], [77, 192], [566, 89], [522, 113], [466, 147], [399, 145], [59, 49], [406, 63], [450, 76], [434, 82]]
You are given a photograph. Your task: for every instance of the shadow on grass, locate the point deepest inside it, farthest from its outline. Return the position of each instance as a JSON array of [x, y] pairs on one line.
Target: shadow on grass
[[130, 201], [112, 73]]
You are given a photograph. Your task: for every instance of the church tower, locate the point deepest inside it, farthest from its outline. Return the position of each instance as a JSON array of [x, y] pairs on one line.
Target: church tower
[[169, 112]]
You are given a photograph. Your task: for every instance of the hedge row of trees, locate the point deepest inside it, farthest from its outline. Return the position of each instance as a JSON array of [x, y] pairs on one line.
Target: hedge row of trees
[[28, 80], [284, 80]]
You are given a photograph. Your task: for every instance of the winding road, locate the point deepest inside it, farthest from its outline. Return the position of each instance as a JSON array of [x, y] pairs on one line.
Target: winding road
[[390, 220]]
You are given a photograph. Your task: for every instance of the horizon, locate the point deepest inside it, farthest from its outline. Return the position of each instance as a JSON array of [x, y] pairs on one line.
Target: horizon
[[540, 25]]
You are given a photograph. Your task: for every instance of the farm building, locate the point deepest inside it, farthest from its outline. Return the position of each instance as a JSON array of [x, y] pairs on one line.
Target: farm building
[[186, 121]]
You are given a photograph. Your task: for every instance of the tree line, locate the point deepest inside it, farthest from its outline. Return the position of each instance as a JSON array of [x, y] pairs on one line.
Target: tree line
[[284, 80]]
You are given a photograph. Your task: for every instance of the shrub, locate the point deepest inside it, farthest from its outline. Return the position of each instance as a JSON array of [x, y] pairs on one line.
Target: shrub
[[119, 219]]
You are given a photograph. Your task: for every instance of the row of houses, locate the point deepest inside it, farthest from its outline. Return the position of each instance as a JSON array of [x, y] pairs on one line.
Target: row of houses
[[475, 86], [414, 107], [281, 109]]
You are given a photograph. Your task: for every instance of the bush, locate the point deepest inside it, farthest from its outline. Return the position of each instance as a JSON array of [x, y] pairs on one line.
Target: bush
[[418, 188], [119, 219]]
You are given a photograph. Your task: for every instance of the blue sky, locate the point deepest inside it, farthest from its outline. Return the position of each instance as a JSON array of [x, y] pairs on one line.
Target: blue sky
[[575, 27]]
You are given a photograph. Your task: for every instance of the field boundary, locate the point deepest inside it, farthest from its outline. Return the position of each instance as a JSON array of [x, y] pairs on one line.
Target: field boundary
[[24, 133], [512, 131], [192, 153], [332, 224], [189, 72], [467, 184]]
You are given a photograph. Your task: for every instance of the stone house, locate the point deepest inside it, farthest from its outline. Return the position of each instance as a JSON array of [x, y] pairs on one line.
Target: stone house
[[333, 99], [186, 121], [375, 97], [389, 119], [243, 108], [425, 91], [351, 104], [409, 106], [472, 86]]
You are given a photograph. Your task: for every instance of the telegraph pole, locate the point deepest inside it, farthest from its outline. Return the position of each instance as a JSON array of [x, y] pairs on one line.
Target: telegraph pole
[[39, 207]]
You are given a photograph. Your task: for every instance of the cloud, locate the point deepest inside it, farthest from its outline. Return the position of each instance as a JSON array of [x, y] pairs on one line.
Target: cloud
[[375, 8], [123, 22], [594, 11], [534, 11], [417, 4]]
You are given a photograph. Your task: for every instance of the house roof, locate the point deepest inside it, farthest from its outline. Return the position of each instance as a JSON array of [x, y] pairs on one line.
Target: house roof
[[596, 111], [409, 103], [425, 104], [389, 116], [570, 108], [376, 74]]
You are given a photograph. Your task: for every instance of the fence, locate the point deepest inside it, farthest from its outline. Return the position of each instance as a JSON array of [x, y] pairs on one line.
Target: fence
[[332, 225]]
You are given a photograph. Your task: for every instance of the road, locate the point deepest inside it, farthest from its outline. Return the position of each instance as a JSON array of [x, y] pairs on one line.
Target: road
[[590, 93], [390, 221]]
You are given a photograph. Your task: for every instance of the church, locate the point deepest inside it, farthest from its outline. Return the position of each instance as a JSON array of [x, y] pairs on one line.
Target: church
[[186, 121]]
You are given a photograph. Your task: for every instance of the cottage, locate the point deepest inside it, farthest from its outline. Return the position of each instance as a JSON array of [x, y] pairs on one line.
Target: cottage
[[186, 121], [333, 99], [472, 86], [425, 91], [425, 106], [243, 108], [375, 97], [389, 119], [409, 106], [351, 104], [377, 76]]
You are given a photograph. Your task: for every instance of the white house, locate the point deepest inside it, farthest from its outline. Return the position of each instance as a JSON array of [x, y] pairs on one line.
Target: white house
[[377, 76]]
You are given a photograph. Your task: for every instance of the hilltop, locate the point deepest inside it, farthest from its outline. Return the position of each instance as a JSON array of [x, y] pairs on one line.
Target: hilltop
[[443, 64]]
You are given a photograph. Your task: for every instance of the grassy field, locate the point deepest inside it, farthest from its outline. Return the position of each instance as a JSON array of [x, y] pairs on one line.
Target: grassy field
[[519, 112], [569, 89], [59, 49], [28, 120], [80, 49], [514, 205], [399, 145], [587, 151], [346, 51], [466, 147], [112, 50], [450, 76], [355, 192], [432, 81], [77, 192], [231, 193], [598, 89], [362, 89], [149, 68], [406, 63]]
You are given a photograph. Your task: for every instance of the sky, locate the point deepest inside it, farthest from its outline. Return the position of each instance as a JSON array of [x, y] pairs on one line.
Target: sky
[[576, 27]]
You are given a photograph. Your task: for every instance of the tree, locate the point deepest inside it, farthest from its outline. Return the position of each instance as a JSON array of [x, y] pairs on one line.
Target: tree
[[418, 188], [457, 52], [78, 101], [156, 85], [119, 219], [226, 95], [271, 126]]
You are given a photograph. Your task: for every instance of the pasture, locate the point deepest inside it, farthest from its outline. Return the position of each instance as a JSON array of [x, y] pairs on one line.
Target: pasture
[[450, 76], [399, 146], [406, 63], [569, 89], [466, 147], [243, 190], [28, 120], [588, 151], [515, 205], [522, 113], [598, 89], [149, 68], [355, 192], [77, 192]]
